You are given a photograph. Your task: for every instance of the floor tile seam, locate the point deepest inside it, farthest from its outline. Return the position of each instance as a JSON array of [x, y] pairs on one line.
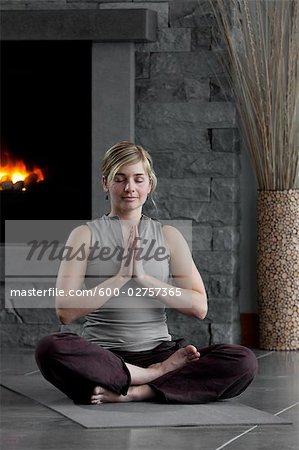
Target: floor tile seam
[[286, 409], [254, 427], [236, 437], [263, 356], [31, 373]]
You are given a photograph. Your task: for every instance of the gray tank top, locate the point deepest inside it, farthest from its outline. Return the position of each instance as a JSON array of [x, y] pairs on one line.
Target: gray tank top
[[129, 320]]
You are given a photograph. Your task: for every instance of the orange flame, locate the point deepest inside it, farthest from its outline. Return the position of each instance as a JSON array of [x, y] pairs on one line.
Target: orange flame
[[16, 171]]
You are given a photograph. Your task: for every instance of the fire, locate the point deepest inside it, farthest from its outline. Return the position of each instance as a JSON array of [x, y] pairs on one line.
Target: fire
[[16, 170]]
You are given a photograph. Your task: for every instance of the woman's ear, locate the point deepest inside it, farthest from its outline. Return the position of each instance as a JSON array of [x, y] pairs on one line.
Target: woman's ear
[[104, 184], [150, 186]]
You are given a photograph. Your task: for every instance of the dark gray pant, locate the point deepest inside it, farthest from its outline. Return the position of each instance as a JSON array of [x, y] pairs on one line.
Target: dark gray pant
[[76, 366]]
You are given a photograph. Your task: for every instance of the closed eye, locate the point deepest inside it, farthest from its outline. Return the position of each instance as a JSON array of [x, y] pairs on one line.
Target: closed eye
[[121, 180]]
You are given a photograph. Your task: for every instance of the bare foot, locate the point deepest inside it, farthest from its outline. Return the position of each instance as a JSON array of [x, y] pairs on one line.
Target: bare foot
[[135, 394], [183, 356], [178, 359]]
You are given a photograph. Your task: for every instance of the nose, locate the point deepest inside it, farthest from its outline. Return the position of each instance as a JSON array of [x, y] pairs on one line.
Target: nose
[[129, 186]]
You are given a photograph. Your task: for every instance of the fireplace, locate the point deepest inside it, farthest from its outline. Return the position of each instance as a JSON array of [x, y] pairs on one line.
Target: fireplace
[[68, 82], [46, 124], [90, 54]]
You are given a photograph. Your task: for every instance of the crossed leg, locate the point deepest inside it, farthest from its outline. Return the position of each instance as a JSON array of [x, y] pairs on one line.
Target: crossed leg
[[88, 373], [139, 390], [224, 371]]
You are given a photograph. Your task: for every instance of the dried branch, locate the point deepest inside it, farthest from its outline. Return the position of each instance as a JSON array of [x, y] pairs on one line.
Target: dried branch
[[264, 76]]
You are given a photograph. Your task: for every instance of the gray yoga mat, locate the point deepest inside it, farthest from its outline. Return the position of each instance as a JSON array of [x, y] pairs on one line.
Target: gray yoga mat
[[138, 414]]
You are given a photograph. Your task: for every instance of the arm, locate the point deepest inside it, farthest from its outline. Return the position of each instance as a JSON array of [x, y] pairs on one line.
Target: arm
[[193, 299], [71, 277]]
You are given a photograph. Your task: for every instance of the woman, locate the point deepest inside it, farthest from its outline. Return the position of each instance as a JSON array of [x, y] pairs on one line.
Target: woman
[[125, 352]]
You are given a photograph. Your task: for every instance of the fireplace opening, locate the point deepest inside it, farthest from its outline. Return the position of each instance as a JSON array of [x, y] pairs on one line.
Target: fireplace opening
[[46, 125]]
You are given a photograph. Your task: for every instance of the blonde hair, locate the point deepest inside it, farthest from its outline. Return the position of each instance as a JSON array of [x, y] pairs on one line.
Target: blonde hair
[[125, 152]]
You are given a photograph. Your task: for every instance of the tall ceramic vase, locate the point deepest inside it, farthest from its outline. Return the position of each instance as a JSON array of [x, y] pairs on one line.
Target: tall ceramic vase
[[278, 269]]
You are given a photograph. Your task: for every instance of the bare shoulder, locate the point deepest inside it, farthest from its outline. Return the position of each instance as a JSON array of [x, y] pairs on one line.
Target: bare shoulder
[[173, 236], [171, 232], [80, 234]]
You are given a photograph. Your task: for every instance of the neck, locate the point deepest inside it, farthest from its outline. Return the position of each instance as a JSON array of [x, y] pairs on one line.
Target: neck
[[130, 216]]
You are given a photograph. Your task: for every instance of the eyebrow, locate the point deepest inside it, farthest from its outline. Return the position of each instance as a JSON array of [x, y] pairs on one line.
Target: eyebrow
[[135, 174]]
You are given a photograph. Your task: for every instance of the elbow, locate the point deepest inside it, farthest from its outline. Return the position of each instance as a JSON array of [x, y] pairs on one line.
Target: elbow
[[63, 316], [203, 314], [201, 311]]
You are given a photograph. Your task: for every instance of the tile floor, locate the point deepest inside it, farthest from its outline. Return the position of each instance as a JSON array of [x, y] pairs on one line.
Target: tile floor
[[26, 424]]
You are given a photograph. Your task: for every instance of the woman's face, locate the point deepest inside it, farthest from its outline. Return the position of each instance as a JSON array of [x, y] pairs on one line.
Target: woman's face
[[129, 188]]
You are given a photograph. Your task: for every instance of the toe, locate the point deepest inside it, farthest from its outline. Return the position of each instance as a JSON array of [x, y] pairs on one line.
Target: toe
[[194, 351], [192, 354], [97, 395], [98, 390]]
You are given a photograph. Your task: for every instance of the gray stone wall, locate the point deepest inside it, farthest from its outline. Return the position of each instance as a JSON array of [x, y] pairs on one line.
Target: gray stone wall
[[183, 119]]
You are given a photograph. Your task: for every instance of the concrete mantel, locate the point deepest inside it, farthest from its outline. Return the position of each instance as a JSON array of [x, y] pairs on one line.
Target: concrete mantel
[[117, 25]]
